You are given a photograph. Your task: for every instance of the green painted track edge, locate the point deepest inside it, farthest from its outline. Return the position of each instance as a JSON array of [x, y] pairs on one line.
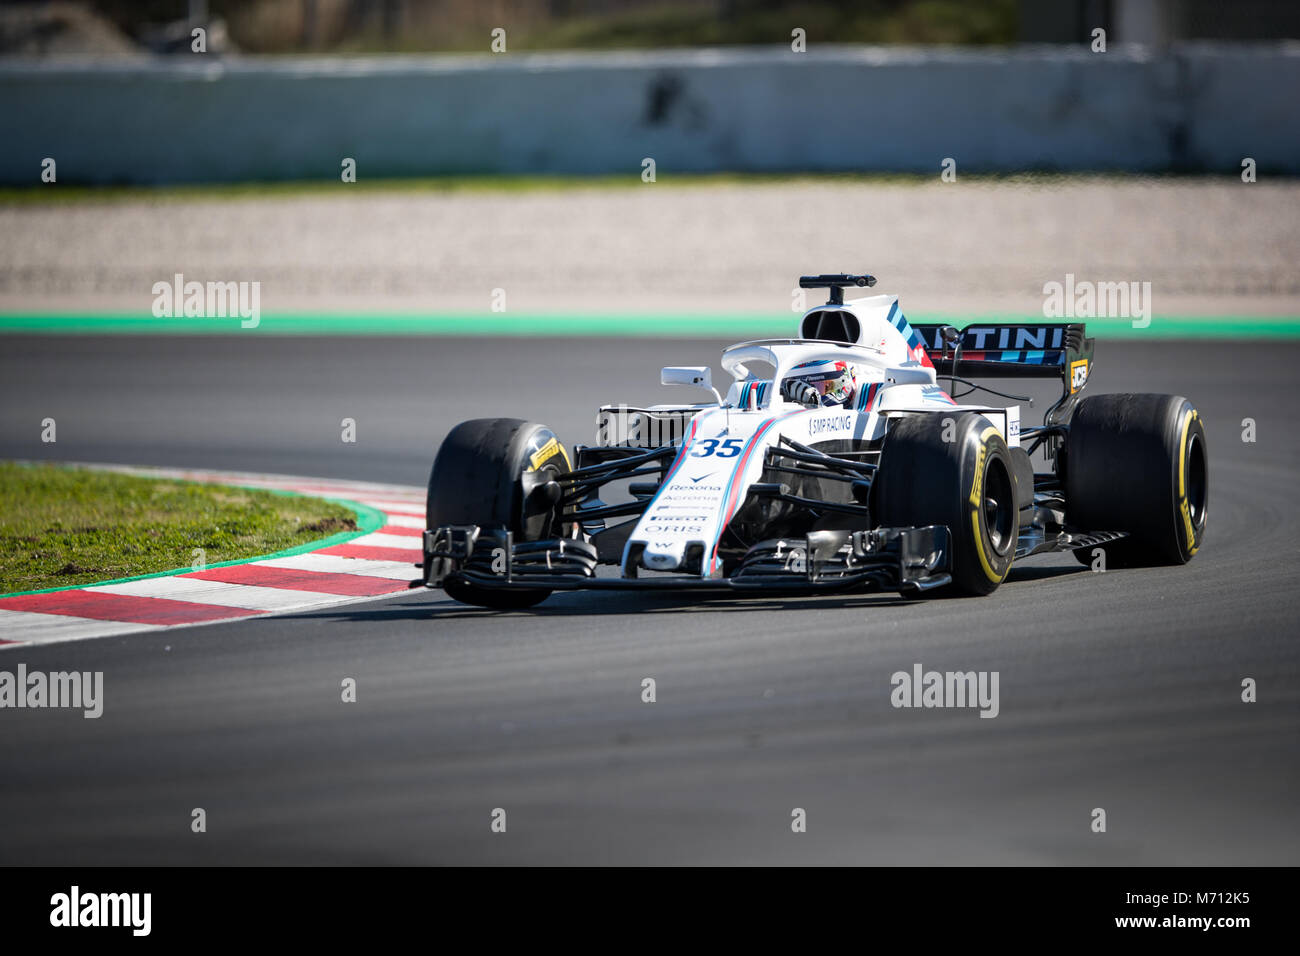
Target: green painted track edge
[[603, 325]]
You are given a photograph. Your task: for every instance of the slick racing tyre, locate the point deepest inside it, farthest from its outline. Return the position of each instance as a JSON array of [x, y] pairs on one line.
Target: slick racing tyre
[[1138, 463], [478, 478], [952, 470]]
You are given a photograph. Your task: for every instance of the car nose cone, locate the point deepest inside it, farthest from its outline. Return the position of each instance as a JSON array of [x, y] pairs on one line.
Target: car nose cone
[[662, 557]]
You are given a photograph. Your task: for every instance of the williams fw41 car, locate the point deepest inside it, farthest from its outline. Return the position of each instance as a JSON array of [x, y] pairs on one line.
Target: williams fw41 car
[[848, 466]]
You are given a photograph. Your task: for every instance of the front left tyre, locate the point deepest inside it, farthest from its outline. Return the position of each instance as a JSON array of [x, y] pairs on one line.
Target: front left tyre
[[479, 478]]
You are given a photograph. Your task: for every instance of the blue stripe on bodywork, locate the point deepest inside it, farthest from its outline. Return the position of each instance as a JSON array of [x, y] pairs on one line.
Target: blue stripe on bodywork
[[759, 388], [910, 335], [741, 462], [726, 494], [680, 460]]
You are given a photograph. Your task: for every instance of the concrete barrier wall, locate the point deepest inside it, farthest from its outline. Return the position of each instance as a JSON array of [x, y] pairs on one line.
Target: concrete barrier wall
[[1195, 107]]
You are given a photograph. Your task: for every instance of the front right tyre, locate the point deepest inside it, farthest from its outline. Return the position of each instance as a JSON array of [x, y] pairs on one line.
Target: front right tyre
[[952, 470]]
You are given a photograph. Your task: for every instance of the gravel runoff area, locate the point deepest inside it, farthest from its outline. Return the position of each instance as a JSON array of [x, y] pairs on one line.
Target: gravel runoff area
[[1207, 246]]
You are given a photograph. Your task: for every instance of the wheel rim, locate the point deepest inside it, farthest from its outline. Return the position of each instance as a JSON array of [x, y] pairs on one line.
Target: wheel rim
[[1197, 484], [999, 506], [531, 527]]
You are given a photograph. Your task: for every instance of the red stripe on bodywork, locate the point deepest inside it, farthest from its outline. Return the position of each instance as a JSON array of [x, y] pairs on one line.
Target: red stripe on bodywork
[[99, 606], [290, 579], [681, 455], [672, 470], [414, 555], [733, 495]]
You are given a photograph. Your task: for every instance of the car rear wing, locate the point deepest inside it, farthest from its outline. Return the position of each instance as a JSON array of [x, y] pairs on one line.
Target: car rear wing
[[1049, 350]]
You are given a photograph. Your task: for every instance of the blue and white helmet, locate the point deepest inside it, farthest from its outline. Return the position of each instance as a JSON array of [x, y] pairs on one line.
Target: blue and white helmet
[[834, 383]]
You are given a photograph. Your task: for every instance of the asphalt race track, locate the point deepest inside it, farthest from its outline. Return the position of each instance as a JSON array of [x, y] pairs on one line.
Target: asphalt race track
[[1118, 690]]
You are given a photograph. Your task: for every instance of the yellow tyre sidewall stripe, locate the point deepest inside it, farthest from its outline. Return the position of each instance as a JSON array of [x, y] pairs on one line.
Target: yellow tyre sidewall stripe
[[977, 502], [1183, 507], [550, 450]]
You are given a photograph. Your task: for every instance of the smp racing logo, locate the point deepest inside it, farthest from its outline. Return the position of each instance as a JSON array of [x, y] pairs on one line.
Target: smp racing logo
[[834, 423]]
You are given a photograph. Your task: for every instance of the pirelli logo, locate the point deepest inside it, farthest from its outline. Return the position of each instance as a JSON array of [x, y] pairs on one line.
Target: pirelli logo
[[545, 454]]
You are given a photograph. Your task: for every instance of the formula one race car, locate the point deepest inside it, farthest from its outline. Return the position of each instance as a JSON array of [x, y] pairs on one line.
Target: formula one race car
[[848, 467]]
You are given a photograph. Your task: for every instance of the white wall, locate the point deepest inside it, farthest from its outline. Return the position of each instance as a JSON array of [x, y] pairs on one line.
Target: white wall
[[1198, 107]]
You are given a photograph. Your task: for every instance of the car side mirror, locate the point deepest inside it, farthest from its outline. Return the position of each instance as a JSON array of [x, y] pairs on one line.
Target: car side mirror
[[951, 340], [701, 377]]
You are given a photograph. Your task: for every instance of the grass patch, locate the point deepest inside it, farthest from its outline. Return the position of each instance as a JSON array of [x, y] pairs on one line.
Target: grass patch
[[490, 183], [687, 23], [54, 194], [990, 22], [64, 526]]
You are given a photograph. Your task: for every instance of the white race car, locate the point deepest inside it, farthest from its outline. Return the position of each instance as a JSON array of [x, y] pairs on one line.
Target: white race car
[[847, 466]]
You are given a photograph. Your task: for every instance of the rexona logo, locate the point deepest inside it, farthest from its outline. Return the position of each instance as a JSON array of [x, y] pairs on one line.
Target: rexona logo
[[74, 909]]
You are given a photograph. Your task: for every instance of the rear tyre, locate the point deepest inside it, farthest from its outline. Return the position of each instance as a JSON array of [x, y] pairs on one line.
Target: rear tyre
[[1138, 463], [477, 478], [953, 470]]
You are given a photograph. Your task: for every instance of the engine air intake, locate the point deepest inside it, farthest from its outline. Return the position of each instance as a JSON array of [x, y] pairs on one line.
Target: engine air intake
[[831, 325]]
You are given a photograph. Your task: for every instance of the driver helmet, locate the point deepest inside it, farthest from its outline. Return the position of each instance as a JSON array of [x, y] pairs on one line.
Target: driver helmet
[[834, 381]]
